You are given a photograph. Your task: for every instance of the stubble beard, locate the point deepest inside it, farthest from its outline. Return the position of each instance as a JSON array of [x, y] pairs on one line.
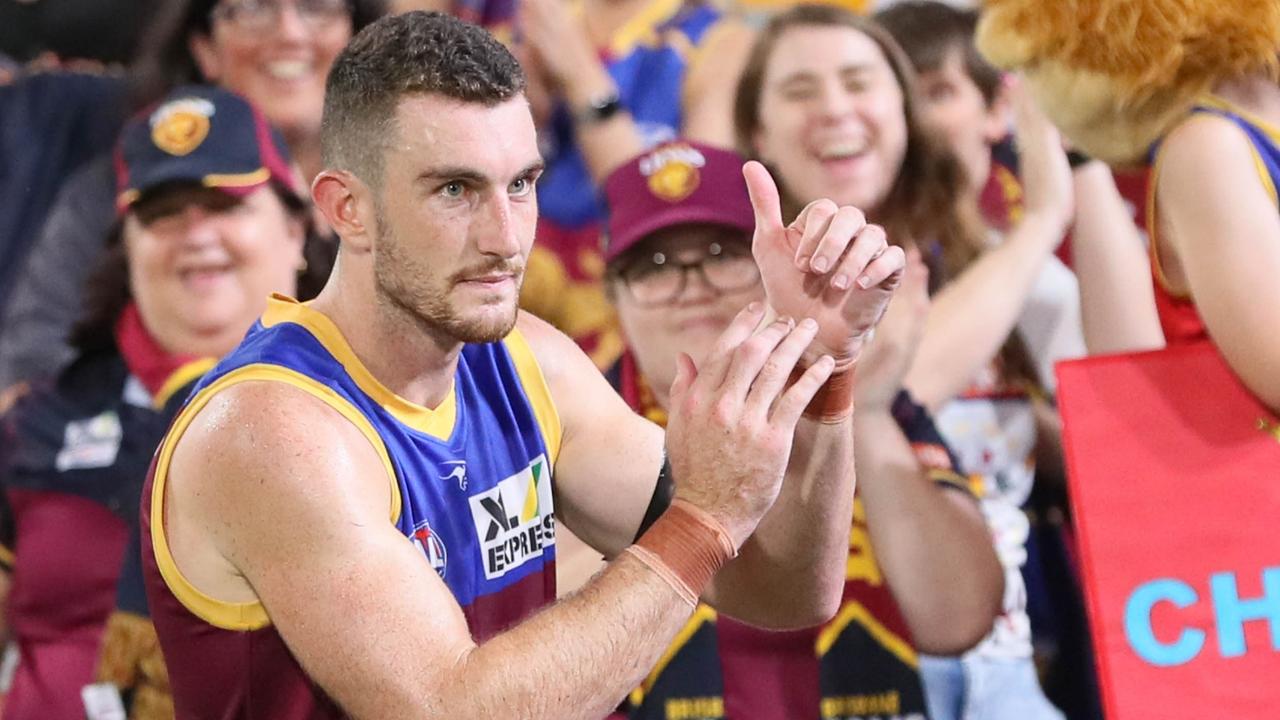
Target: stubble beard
[[404, 284]]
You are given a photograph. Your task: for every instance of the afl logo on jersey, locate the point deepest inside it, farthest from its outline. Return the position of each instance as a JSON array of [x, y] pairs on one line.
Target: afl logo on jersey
[[426, 540]]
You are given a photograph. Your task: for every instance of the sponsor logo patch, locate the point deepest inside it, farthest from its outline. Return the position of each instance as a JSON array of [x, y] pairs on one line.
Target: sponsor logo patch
[[515, 520], [455, 470]]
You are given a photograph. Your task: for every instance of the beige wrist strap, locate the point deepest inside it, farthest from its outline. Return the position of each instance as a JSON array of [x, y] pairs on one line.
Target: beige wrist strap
[[834, 400], [685, 547]]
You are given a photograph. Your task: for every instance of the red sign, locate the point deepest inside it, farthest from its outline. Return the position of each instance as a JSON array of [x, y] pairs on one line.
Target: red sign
[[1175, 484]]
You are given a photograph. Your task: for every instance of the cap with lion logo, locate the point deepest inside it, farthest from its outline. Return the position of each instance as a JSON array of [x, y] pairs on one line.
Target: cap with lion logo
[[204, 135], [678, 183]]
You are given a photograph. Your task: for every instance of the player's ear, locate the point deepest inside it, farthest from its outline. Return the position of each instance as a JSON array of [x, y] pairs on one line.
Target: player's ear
[[347, 204]]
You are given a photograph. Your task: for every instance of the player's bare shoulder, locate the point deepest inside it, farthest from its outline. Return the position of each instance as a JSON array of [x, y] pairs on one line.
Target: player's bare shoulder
[[269, 442], [558, 356]]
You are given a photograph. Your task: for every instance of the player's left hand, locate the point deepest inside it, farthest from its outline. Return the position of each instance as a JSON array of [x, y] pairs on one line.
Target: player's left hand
[[829, 264]]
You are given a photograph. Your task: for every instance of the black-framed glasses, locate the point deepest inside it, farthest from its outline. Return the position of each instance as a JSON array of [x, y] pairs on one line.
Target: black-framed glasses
[[660, 278], [256, 16]]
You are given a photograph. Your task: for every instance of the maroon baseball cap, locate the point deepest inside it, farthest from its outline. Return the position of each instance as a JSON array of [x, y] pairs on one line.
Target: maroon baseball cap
[[205, 135], [677, 183]]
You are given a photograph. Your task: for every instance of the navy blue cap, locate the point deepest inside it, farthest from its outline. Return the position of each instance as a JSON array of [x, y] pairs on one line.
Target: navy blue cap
[[201, 134]]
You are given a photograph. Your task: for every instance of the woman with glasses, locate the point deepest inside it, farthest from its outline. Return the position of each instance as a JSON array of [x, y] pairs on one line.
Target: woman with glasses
[[827, 102], [274, 53], [679, 266]]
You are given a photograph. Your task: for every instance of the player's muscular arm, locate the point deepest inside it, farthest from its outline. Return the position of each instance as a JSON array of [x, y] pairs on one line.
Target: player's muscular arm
[[296, 500], [1225, 232], [609, 462]]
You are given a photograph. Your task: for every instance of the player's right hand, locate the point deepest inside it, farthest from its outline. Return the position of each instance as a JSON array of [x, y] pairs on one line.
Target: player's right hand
[[733, 420]]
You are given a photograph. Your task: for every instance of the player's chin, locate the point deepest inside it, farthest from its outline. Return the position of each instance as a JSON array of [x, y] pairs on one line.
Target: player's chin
[[488, 323]]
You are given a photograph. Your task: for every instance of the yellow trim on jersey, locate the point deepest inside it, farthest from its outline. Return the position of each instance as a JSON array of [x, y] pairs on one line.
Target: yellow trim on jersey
[[642, 26], [702, 615], [437, 423], [695, 55], [6, 557], [535, 388], [853, 611], [1153, 240], [257, 177], [180, 378], [251, 615], [1268, 127], [1272, 131]]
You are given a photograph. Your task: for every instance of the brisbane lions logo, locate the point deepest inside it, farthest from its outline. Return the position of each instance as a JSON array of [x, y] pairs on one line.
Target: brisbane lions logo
[[178, 127], [672, 171]]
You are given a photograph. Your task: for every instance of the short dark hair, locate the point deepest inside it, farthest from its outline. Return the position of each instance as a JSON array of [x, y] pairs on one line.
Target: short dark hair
[[164, 60], [416, 53], [928, 30]]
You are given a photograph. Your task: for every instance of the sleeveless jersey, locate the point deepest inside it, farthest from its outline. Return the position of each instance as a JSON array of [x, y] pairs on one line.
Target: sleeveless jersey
[[471, 489], [1179, 318]]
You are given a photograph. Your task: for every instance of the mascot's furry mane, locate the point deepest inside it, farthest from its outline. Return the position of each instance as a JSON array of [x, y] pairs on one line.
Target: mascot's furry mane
[[1116, 74]]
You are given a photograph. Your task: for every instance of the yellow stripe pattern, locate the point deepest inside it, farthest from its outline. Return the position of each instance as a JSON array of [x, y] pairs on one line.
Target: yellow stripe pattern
[[240, 616], [180, 378], [535, 388], [854, 611], [702, 615], [437, 423]]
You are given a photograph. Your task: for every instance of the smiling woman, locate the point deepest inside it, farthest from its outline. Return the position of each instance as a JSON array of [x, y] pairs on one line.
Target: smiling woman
[[827, 100], [204, 237], [276, 53]]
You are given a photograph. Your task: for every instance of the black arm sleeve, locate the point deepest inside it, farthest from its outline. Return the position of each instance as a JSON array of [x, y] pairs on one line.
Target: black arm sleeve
[[663, 491]]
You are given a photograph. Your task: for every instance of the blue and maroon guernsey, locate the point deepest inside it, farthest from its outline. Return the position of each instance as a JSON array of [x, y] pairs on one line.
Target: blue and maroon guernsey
[[472, 490]]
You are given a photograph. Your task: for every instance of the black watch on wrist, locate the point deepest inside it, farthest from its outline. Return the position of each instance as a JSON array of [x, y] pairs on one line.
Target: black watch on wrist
[[601, 108]]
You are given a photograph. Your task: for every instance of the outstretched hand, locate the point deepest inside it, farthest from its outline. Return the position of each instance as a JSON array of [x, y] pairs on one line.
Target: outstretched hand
[[829, 264]]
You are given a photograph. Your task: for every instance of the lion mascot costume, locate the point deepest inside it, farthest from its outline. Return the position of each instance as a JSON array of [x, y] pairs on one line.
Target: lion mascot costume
[[1189, 87]]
